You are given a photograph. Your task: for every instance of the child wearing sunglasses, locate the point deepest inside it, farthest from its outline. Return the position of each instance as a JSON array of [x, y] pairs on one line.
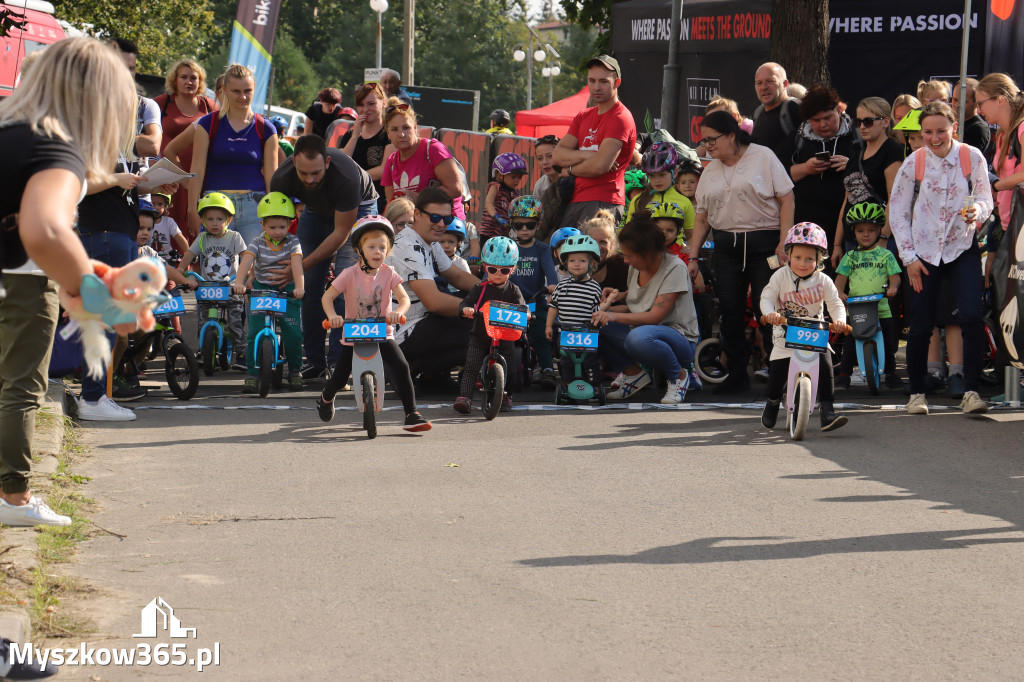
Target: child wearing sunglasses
[[508, 171], [500, 256]]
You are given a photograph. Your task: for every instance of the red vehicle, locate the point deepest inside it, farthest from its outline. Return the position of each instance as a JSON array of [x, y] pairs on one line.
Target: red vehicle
[[40, 30]]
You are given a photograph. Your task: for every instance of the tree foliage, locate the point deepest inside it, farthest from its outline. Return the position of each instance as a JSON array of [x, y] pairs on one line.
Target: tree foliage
[[596, 14]]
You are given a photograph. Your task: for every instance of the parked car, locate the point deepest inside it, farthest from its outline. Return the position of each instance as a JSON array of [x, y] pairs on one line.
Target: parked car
[[41, 29]]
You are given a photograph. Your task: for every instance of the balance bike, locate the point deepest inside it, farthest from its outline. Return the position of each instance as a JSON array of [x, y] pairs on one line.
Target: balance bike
[[808, 339], [868, 334], [213, 345], [577, 348], [502, 322], [180, 367], [269, 360]]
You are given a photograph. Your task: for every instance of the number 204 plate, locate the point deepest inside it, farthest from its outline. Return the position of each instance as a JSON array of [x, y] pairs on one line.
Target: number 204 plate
[[584, 340], [365, 330], [803, 338]]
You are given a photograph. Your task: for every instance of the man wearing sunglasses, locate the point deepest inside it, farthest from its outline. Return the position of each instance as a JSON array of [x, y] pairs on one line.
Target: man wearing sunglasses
[[434, 337]]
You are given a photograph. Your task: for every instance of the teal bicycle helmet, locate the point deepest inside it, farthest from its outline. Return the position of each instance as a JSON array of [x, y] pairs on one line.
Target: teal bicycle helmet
[[580, 244], [500, 251]]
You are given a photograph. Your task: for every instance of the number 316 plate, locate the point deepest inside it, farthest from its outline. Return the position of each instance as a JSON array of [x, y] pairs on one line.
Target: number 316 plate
[[586, 340]]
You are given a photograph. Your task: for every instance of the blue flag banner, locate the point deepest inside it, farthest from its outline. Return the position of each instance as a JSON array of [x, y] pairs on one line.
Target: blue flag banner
[[252, 43]]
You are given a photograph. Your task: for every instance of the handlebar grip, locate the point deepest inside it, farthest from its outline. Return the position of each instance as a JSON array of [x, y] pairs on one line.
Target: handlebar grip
[[326, 324]]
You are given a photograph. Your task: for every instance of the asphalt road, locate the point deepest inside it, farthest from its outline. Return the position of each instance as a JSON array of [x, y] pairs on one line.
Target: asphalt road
[[565, 545]]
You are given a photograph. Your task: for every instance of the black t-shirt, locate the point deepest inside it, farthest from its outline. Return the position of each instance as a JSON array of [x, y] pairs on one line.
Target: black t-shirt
[[26, 153], [344, 187], [873, 169], [369, 153], [819, 198], [318, 120], [768, 131], [112, 210], [977, 134]]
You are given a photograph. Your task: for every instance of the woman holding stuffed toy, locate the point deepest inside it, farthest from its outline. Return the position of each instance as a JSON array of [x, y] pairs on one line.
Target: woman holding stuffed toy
[[56, 131]]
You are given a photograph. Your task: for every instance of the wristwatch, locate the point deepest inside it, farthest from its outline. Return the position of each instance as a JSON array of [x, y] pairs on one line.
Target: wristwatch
[[568, 171]]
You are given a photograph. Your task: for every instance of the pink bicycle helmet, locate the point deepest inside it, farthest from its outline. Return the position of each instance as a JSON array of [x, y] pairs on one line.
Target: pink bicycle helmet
[[808, 234]]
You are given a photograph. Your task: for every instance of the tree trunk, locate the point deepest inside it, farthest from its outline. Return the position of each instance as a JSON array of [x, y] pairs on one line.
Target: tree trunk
[[800, 40]]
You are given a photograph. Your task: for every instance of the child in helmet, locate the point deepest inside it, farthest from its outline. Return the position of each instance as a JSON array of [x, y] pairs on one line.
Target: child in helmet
[[659, 162], [870, 269], [910, 126], [557, 238], [451, 242], [148, 214], [500, 256], [534, 273], [369, 288], [799, 287], [273, 248], [577, 297], [216, 250], [167, 237], [508, 171], [636, 183], [687, 177]]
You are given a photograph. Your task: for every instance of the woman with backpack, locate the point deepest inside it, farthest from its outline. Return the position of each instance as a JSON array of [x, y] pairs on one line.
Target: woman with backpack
[[235, 153], [940, 196], [181, 105], [417, 163]]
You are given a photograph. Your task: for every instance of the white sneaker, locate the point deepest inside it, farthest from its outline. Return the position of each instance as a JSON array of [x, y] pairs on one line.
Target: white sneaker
[[761, 374], [857, 379], [103, 410], [621, 379], [917, 404], [676, 392], [35, 513], [630, 384], [973, 404]]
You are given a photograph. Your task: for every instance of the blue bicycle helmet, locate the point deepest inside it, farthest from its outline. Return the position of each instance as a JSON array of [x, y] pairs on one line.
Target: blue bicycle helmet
[[561, 234], [280, 123], [500, 251], [458, 228]]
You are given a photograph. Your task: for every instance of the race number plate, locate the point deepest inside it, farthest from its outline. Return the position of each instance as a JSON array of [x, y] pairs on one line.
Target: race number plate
[[578, 340], [865, 299], [267, 302], [372, 330], [173, 308], [507, 315], [806, 338], [213, 292]]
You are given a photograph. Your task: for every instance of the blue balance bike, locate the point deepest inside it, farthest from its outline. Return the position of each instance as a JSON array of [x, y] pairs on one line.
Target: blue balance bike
[[271, 304], [868, 334], [578, 367], [214, 345]]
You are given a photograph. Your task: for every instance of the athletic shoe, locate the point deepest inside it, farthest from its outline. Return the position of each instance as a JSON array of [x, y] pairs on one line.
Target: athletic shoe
[[761, 374], [618, 381], [676, 392], [324, 409], [463, 405], [126, 390], [857, 379], [294, 381], [917, 404], [843, 382], [31, 669], [693, 382], [506, 403], [35, 513], [955, 386], [933, 382], [893, 381], [415, 422], [249, 386], [630, 384], [830, 421], [103, 410], [973, 404], [770, 413], [548, 378], [312, 372]]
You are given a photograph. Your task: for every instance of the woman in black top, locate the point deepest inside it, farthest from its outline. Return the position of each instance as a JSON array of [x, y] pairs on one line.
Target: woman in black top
[[871, 179], [65, 123], [367, 142]]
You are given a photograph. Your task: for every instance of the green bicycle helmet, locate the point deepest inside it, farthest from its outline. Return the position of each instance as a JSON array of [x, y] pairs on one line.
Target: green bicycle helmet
[[216, 200], [500, 251], [167, 197], [668, 209], [525, 207], [635, 179], [866, 212], [275, 205]]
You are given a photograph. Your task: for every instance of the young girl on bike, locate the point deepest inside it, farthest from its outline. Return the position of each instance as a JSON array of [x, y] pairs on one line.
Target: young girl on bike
[[802, 289], [508, 170], [500, 256], [368, 289]]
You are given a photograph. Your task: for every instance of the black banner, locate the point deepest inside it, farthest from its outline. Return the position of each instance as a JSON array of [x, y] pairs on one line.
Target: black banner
[[1008, 285], [1004, 37], [445, 107]]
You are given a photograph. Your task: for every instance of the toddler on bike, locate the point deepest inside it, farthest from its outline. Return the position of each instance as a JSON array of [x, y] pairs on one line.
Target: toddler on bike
[[274, 248], [508, 170], [801, 289], [147, 218], [499, 256], [216, 252], [575, 299], [368, 288], [871, 269]]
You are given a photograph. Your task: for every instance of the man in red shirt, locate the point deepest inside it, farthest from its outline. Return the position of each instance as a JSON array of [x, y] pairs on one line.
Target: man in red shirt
[[599, 145]]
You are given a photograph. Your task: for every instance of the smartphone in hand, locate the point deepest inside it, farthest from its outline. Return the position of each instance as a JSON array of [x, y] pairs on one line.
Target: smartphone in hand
[[823, 156]]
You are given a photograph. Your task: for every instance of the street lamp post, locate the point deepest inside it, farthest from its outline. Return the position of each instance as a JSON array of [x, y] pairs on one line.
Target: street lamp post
[[550, 73], [379, 6], [536, 55]]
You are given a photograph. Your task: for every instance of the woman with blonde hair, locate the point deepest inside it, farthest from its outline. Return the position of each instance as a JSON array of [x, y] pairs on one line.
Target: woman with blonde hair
[[417, 163], [235, 153], [399, 213], [901, 106], [181, 104], [612, 271], [934, 91], [68, 122]]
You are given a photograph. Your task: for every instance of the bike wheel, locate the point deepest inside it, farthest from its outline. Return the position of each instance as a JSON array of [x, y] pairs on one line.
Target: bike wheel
[[208, 349], [494, 390], [707, 361], [369, 405], [266, 355], [871, 367], [801, 409], [559, 394], [226, 356], [602, 395], [181, 370], [278, 379]]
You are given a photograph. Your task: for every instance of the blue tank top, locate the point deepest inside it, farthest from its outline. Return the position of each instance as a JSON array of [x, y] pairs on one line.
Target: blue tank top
[[235, 158]]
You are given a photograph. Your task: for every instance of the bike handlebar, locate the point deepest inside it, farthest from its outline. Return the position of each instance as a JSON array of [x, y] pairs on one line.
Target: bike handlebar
[[326, 324], [846, 330]]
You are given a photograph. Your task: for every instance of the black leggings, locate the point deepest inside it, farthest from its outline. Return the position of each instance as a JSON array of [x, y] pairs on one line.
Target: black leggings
[[395, 363], [778, 373]]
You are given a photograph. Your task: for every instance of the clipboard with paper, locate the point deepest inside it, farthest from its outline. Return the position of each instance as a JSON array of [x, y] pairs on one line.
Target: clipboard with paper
[[163, 172]]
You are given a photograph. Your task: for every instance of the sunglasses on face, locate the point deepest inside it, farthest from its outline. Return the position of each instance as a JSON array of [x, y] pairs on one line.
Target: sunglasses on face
[[524, 226], [396, 107], [867, 122], [446, 219], [494, 270]]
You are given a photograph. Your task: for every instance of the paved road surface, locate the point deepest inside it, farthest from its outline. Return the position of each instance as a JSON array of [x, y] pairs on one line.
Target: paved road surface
[[614, 545]]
